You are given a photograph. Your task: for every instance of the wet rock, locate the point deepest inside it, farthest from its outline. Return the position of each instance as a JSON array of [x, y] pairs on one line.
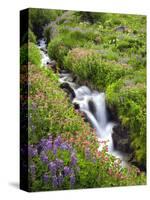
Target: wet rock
[[111, 115], [121, 139], [63, 71], [65, 86], [52, 64], [92, 107], [76, 106], [44, 50], [122, 29]]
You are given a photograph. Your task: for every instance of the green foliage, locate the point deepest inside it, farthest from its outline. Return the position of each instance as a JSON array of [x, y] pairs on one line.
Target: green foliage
[[38, 18], [91, 17], [129, 95], [34, 55], [57, 50], [91, 67], [31, 37], [30, 53]]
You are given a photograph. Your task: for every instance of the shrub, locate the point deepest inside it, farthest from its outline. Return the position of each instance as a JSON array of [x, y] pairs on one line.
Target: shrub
[[88, 65], [68, 39], [31, 37], [38, 18], [30, 53], [57, 50], [34, 55], [129, 94]]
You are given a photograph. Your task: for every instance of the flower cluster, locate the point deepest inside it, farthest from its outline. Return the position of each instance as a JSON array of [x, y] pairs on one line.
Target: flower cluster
[[59, 159]]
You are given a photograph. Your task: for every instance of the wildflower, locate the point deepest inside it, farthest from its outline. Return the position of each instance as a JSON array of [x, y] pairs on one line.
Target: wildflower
[[54, 181], [66, 171], [72, 180], [52, 167], [48, 145], [73, 159], [106, 158], [57, 141], [44, 157], [60, 179], [45, 178], [32, 151], [59, 163], [54, 150]]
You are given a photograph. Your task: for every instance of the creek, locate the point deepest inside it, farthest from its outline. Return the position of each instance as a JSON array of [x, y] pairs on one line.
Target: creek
[[90, 102]]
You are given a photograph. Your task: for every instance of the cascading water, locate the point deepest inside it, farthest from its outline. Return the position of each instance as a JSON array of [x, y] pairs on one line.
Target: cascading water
[[45, 58], [91, 103]]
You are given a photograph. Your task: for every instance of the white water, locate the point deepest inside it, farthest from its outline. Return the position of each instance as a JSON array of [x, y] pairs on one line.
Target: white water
[[92, 104], [45, 58]]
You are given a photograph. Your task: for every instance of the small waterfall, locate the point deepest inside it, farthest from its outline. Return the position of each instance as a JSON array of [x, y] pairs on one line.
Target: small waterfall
[[99, 100], [93, 105]]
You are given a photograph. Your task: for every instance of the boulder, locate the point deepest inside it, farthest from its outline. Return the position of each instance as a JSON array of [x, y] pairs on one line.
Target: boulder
[[65, 86], [122, 29], [52, 64], [121, 139]]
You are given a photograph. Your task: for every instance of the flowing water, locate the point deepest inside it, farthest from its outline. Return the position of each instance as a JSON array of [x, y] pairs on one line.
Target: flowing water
[[91, 103]]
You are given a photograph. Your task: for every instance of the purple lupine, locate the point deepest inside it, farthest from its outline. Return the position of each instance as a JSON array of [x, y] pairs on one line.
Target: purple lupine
[[73, 159], [44, 157], [46, 178], [52, 167], [72, 180], [42, 142], [66, 171], [58, 141], [50, 137], [54, 181], [54, 150], [60, 179], [32, 151], [48, 145], [65, 146], [59, 163]]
